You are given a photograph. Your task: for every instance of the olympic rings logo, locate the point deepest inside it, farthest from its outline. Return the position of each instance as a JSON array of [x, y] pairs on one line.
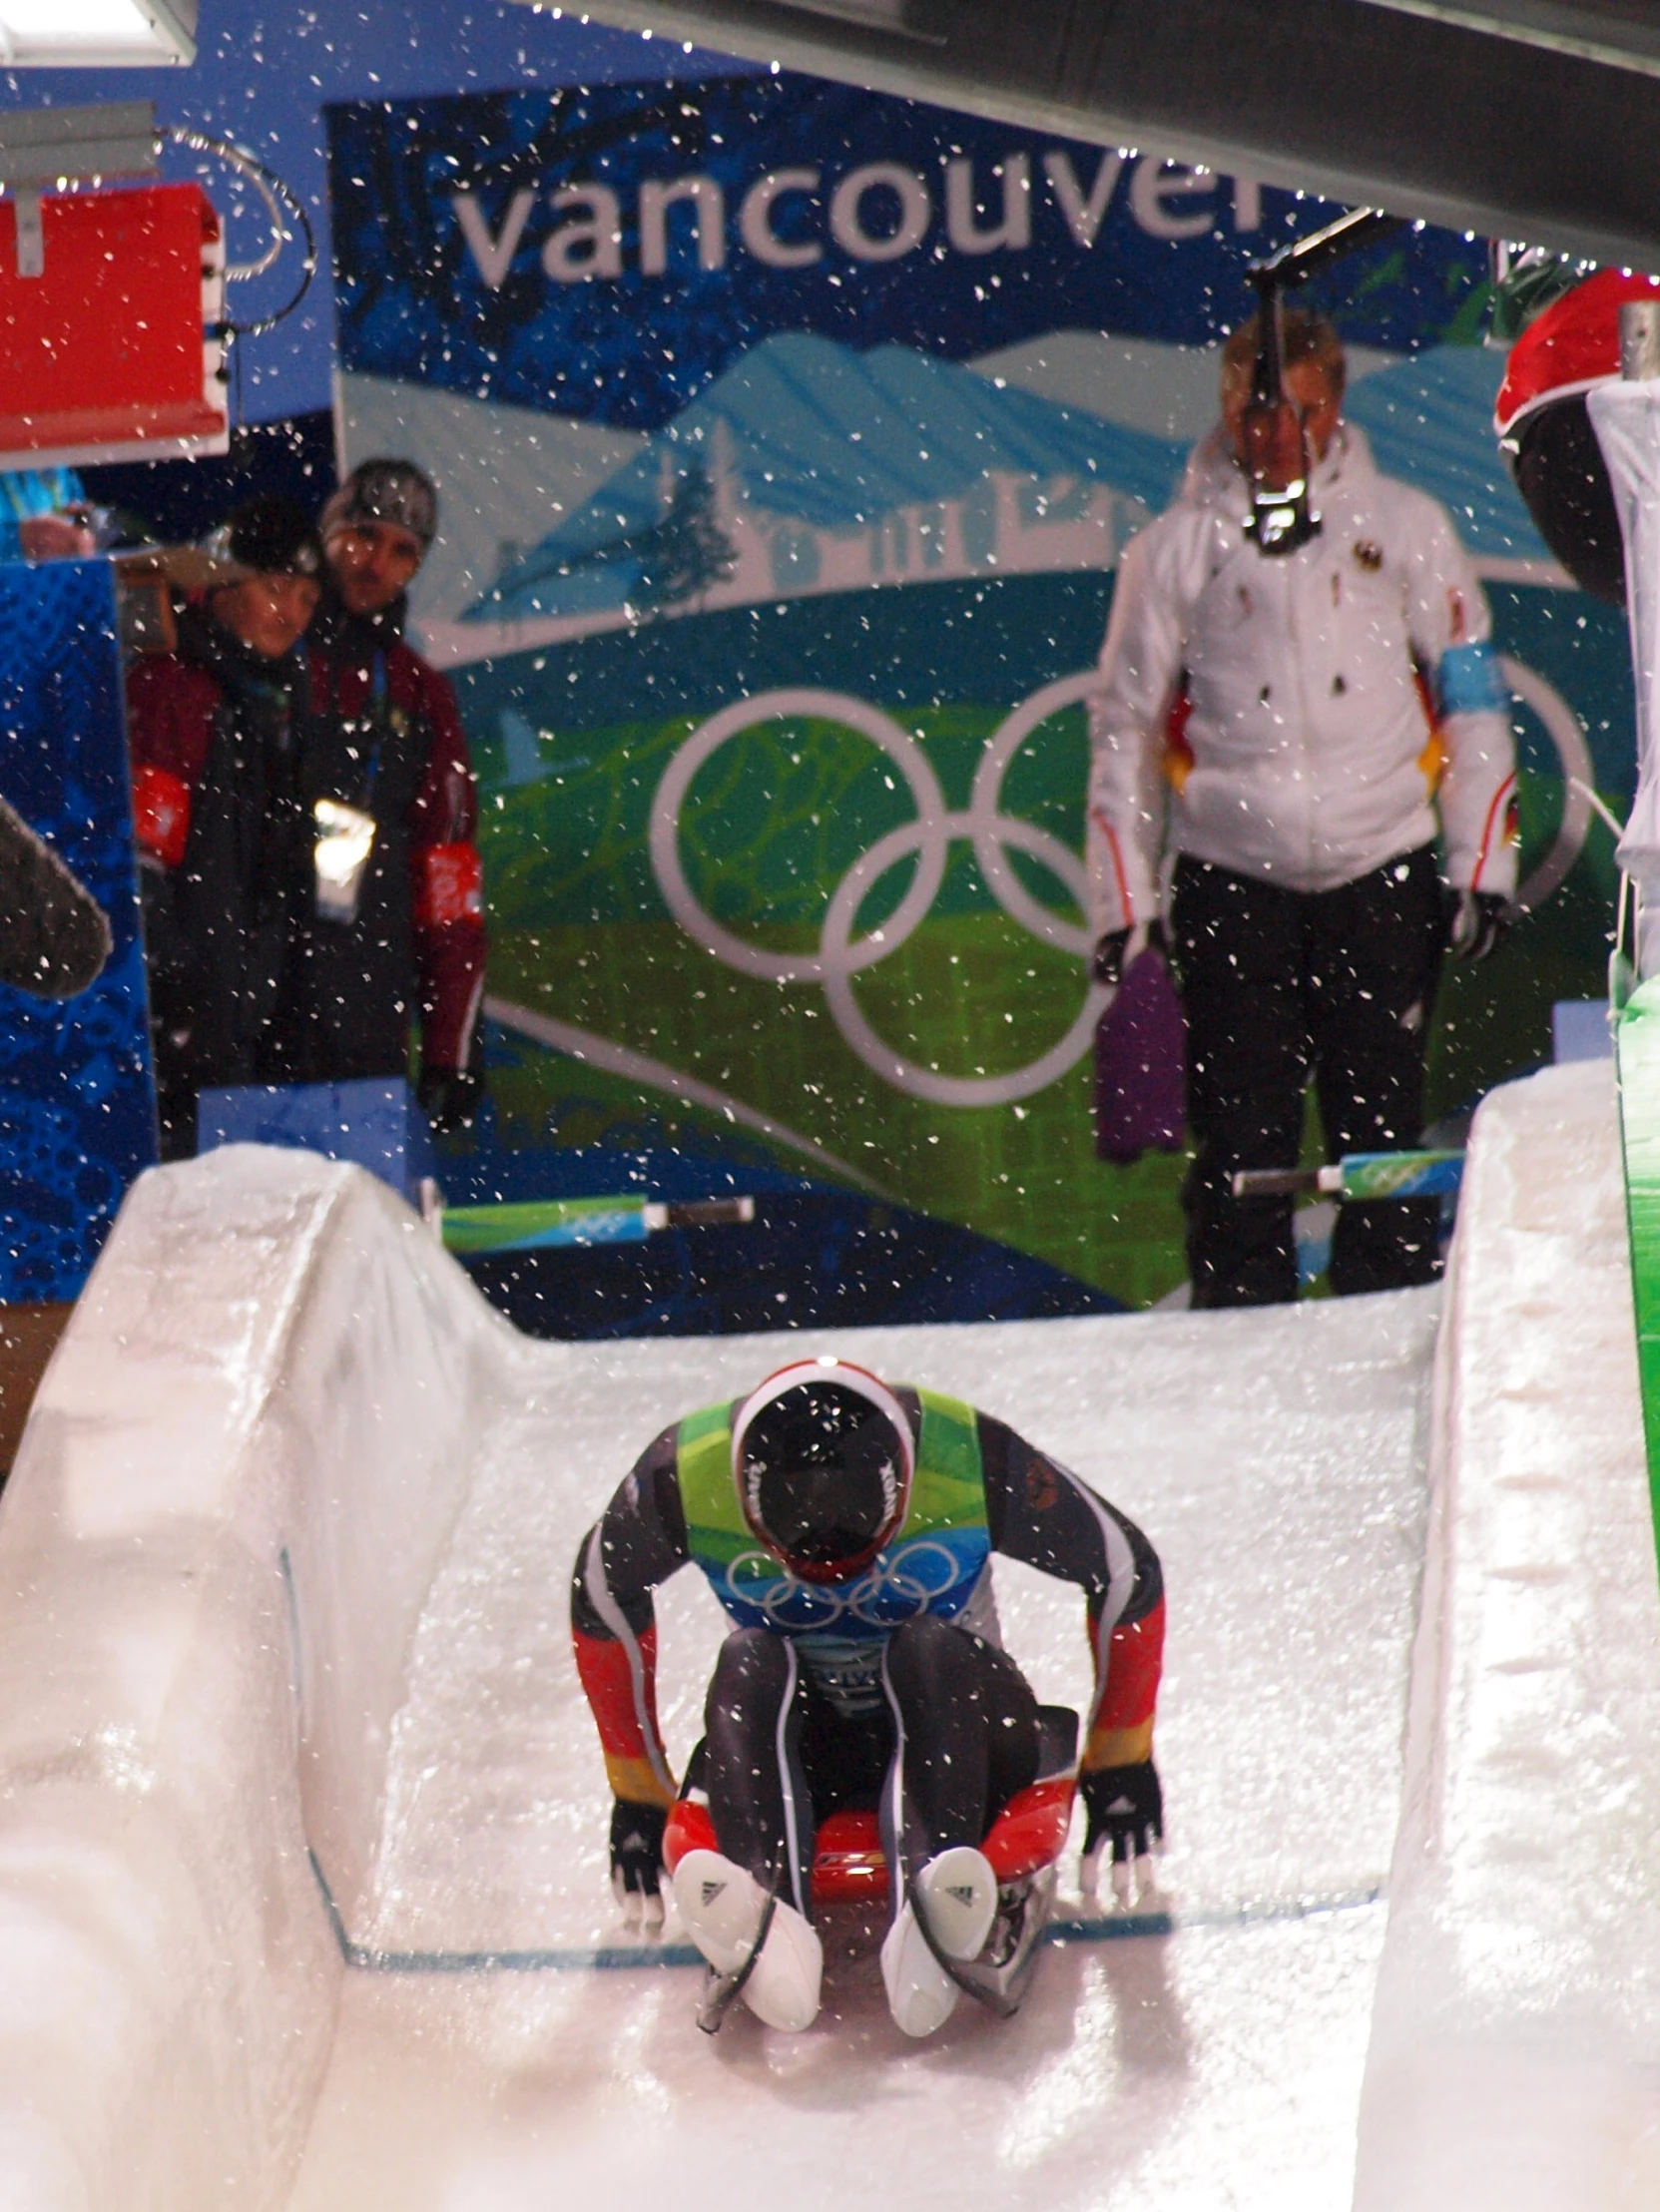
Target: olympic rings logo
[[894, 1590], [841, 955], [993, 834]]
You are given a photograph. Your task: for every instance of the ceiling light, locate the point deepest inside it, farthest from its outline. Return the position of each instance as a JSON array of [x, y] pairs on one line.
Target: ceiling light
[[96, 34]]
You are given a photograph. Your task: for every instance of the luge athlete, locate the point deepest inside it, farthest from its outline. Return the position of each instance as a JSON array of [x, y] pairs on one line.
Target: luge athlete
[[846, 1525]]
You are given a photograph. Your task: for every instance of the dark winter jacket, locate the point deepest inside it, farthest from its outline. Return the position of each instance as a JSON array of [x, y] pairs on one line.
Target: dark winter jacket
[[216, 734], [231, 755], [387, 738]]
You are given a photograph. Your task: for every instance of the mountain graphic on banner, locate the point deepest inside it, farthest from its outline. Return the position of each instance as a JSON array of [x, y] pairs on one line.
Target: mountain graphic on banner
[[1430, 419], [807, 467]]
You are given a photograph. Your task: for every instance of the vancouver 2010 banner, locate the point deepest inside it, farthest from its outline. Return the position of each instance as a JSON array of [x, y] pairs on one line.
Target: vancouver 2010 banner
[[787, 438]]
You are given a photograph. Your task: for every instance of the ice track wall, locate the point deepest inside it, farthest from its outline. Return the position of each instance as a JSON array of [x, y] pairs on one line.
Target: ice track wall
[[1511, 2066], [270, 1365]]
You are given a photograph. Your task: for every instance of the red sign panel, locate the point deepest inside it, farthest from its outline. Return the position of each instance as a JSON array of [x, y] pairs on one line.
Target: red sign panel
[[106, 354]]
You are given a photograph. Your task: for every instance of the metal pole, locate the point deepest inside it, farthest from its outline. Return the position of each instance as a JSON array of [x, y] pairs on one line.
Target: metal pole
[[1640, 340]]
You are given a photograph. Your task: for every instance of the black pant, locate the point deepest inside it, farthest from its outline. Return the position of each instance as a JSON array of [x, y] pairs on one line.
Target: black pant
[[1281, 986], [958, 1735]]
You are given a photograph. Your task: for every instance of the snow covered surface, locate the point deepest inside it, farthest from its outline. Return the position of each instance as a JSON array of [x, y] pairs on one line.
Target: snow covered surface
[[282, 1569], [1513, 2062], [293, 1489], [1277, 1460]]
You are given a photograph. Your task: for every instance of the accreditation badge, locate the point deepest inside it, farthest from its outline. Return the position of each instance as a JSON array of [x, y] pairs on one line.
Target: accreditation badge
[[345, 839]]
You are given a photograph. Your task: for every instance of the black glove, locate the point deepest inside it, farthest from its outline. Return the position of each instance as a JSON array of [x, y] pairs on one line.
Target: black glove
[[636, 1850], [1126, 1808], [1108, 962], [1477, 923], [450, 1097]]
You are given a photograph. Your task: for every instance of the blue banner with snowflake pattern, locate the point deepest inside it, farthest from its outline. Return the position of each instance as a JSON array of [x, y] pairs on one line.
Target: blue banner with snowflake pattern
[[77, 1101]]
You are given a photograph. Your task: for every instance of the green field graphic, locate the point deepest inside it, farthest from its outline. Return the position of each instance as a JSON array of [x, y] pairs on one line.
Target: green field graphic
[[572, 756]]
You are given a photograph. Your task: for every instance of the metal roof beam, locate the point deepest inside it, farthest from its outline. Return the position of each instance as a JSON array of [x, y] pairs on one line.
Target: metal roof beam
[[1368, 101]]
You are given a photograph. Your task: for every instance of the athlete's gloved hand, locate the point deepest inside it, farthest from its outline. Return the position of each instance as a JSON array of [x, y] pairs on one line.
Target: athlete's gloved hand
[[1478, 923], [637, 1860], [1109, 963], [1126, 1810], [450, 1097]]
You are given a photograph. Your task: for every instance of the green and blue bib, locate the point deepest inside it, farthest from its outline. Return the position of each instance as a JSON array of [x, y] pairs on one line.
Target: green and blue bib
[[934, 1563]]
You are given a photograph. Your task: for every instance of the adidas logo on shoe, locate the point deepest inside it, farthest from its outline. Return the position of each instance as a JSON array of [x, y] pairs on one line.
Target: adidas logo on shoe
[[726, 1914], [964, 1895]]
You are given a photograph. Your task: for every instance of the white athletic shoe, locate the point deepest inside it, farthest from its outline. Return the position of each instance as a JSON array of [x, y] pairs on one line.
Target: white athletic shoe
[[958, 1892], [721, 1906]]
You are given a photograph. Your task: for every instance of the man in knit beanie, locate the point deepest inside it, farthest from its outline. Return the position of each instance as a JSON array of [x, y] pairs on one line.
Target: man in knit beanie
[[416, 944]]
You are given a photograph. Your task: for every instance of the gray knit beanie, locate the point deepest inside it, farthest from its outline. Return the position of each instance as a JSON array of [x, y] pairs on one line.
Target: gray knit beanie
[[384, 491]]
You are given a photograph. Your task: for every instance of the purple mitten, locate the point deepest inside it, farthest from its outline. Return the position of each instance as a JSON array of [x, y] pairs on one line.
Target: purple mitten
[[1141, 1065]]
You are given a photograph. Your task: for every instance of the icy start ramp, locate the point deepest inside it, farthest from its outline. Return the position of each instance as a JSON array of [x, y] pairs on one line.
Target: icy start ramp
[[1277, 1460], [303, 1823]]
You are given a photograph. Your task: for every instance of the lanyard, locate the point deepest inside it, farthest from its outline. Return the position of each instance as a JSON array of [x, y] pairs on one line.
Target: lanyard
[[380, 718], [371, 774]]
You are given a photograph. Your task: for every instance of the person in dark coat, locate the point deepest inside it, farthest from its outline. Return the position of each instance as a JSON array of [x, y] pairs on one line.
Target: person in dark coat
[[389, 745], [217, 730]]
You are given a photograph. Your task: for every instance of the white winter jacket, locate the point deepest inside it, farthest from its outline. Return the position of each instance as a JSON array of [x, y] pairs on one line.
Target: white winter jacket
[[1308, 755]]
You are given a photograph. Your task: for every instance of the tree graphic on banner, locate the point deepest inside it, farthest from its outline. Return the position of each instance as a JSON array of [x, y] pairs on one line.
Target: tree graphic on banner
[[680, 556]]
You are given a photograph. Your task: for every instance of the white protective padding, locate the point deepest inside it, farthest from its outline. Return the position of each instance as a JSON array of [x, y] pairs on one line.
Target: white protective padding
[[273, 1357], [1513, 2063]]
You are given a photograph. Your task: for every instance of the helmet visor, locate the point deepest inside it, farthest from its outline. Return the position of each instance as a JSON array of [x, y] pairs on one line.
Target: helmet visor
[[824, 1472]]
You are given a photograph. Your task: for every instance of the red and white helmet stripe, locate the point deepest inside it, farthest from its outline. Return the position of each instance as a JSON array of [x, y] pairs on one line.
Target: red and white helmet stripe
[[1572, 348]]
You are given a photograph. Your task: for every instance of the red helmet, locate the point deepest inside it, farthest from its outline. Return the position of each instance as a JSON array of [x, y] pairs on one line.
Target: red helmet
[[1565, 353], [822, 1457], [1571, 347]]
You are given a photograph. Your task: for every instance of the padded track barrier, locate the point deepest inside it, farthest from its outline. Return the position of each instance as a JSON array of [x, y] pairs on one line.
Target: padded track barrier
[[242, 1466], [1511, 2062]]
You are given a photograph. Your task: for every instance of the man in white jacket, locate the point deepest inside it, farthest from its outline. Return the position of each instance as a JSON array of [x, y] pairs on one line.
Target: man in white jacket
[[1279, 740]]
